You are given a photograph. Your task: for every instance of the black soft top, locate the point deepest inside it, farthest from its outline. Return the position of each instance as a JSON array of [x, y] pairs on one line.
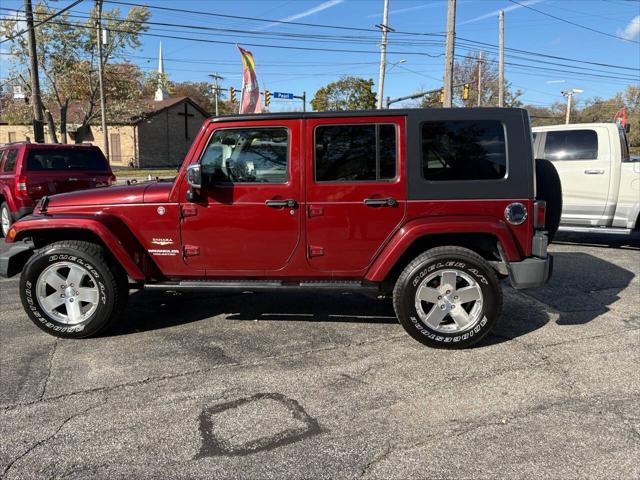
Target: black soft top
[[517, 184], [418, 112]]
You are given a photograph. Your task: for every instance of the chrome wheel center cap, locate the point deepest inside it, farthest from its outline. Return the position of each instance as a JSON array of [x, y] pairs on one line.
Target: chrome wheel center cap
[[70, 292]]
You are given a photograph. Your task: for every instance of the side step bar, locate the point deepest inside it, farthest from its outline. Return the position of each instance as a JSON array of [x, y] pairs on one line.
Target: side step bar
[[607, 230], [265, 285]]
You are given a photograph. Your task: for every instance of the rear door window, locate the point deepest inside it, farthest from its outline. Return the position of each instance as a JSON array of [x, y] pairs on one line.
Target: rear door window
[[57, 159], [10, 159], [571, 145], [463, 150], [355, 153]]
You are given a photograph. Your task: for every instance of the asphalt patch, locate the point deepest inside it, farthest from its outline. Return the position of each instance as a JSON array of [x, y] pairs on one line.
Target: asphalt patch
[[248, 425]]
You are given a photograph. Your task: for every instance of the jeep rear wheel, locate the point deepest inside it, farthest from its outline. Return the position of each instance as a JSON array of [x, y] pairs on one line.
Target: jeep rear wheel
[[5, 219], [70, 290], [448, 297]]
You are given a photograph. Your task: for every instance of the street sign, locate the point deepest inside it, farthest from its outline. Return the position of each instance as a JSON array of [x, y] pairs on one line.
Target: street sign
[[17, 92], [283, 95]]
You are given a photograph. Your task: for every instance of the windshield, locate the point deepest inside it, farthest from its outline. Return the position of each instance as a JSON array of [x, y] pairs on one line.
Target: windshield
[[43, 159]]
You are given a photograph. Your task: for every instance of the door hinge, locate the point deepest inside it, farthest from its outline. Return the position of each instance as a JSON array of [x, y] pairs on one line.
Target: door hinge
[[191, 250], [315, 251], [189, 211], [315, 211]]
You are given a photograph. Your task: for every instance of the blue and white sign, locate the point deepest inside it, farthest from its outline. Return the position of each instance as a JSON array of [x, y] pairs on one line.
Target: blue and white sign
[[283, 95]]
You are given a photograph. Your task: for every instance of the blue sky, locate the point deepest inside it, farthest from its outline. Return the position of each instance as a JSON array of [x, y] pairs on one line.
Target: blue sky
[[296, 71]]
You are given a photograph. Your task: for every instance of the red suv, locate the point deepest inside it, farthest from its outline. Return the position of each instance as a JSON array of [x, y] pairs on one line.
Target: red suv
[[29, 171], [429, 207]]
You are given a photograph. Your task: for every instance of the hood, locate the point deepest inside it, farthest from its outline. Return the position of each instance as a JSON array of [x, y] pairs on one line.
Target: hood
[[131, 194]]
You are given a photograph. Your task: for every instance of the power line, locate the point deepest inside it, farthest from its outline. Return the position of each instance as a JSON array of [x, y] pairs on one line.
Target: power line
[[238, 17], [573, 23], [287, 47], [518, 65], [358, 29], [534, 68], [51, 17], [555, 57], [342, 39]]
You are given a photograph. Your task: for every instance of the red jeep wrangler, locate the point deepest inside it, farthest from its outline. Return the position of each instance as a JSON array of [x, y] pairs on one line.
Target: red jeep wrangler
[[29, 171], [431, 207]]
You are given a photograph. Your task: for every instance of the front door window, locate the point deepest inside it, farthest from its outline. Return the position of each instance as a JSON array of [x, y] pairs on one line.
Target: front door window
[[256, 155]]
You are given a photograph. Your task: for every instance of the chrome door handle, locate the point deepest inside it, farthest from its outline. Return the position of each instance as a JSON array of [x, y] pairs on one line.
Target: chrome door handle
[[290, 203], [594, 172], [380, 202]]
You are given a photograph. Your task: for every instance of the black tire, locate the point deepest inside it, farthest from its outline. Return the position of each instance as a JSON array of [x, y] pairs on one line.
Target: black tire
[[4, 210], [108, 278], [549, 189], [453, 259]]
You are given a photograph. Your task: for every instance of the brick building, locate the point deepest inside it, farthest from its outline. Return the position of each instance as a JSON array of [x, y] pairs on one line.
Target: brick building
[[159, 135]]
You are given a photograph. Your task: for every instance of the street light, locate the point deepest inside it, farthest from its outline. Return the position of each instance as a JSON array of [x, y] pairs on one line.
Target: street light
[[404, 60], [569, 94], [395, 64]]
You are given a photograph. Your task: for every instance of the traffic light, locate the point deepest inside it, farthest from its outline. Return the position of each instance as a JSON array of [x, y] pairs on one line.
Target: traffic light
[[442, 96], [232, 95], [267, 98], [465, 92]]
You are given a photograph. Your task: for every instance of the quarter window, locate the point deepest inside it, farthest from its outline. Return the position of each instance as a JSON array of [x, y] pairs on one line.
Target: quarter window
[[247, 155], [571, 145], [10, 160], [355, 153], [463, 150]]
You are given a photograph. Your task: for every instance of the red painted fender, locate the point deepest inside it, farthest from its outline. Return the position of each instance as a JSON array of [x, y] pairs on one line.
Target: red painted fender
[[113, 233], [415, 229], [5, 191]]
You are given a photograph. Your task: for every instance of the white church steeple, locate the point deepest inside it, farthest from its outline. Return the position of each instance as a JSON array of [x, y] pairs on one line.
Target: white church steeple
[[161, 93]]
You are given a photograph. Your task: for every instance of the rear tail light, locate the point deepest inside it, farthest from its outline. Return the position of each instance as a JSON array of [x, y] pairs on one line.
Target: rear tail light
[[21, 186], [539, 214]]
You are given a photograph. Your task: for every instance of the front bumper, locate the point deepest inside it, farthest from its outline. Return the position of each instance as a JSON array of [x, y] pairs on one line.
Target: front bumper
[[530, 272], [13, 256]]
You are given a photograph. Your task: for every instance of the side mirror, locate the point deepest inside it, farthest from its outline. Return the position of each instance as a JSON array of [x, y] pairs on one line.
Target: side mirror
[[194, 179], [194, 176]]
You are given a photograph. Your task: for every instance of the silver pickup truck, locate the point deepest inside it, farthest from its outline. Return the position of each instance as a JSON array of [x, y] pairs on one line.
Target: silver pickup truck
[[600, 181]]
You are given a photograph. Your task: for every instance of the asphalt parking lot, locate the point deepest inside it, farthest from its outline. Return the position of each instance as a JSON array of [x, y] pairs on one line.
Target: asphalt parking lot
[[329, 386]]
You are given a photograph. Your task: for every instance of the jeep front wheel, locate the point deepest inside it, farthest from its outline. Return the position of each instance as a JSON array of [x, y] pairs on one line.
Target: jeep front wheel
[[448, 297], [70, 290]]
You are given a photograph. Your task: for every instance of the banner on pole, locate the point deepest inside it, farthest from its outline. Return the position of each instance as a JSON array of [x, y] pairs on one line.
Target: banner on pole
[[250, 95], [621, 117]]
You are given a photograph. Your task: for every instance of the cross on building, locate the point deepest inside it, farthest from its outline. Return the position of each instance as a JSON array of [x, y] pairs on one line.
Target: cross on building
[[186, 116]]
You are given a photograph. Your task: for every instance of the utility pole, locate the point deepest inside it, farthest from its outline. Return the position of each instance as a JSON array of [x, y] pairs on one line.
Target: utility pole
[[103, 100], [383, 54], [36, 100], [450, 48], [501, 63], [569, 94], [216, 88], [480, 79]]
